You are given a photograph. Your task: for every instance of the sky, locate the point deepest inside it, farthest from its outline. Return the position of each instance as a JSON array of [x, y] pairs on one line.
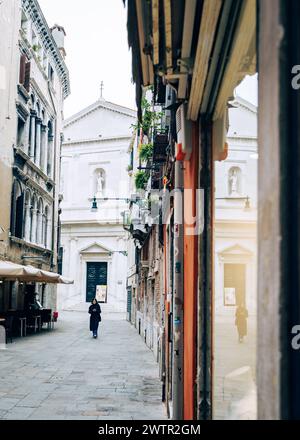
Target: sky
[[97, 50]]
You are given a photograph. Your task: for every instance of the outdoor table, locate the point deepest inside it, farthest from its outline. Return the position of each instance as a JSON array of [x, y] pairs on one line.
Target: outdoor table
[[37, 322]]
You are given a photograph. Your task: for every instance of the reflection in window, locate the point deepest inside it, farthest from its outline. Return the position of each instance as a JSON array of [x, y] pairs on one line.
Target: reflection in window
[[235, 242]]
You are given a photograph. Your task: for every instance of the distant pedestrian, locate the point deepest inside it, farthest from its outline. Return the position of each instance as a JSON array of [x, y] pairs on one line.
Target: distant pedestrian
[[95, 318], [241, 316]]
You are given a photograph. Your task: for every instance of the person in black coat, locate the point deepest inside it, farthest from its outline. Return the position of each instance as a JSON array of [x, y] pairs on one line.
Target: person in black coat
[[95, 318], [241, 316]]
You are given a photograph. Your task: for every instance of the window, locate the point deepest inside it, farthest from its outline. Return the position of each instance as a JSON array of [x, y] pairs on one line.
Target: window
[[24, 23], [33, 40], [50, 73], [60, 260], [24, 74], [21, 132], [17, 208], [45, 62]]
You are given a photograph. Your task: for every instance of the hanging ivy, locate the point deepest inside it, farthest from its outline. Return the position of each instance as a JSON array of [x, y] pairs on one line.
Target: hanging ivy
[[140, 179], [146, 152]]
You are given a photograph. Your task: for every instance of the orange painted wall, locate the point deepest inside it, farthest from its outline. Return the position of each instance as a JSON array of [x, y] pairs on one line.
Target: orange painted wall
[[190, 287], [167, 310]]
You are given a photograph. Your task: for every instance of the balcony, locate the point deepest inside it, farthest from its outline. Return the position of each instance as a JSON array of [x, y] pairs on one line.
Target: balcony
[[160, 144]]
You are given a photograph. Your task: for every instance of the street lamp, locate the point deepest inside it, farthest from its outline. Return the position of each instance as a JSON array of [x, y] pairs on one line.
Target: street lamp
[[94, 207]]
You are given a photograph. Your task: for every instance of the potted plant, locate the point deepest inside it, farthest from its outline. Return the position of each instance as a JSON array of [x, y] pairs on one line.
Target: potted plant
[[146, 152], [140, 179]]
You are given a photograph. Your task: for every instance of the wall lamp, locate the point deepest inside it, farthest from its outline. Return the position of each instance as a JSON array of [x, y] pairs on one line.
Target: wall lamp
[[94, 207], [125, 253]]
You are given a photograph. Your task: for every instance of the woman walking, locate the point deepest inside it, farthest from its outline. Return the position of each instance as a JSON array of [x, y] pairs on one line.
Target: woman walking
[[95, 318], [241, 316]]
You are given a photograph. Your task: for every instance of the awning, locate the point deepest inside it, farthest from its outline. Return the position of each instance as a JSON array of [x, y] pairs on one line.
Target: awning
[[12, 271]]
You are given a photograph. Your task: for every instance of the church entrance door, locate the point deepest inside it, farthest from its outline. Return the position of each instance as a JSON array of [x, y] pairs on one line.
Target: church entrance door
[[96, 281]]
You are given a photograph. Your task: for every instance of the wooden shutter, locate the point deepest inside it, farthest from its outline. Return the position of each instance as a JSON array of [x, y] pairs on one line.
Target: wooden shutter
[[22, 69], [27, 76]]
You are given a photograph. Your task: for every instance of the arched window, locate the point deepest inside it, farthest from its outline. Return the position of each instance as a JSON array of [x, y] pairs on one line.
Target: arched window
[[40, 222], [33, 231], [32, 128], [38, 132], [17, 209], [27, 215]]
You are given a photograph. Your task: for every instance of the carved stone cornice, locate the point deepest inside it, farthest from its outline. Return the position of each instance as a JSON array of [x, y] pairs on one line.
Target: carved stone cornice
[[32, 8], [23, 92], [23, 112]]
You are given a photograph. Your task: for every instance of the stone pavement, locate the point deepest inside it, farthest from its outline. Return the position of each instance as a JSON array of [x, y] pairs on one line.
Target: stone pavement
[[234, 371], [66, 374]]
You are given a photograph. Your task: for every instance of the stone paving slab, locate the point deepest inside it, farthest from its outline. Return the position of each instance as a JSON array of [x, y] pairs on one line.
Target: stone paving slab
[[65, 374]]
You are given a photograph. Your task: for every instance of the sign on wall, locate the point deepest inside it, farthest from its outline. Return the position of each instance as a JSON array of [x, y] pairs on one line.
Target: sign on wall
[[101, 292]]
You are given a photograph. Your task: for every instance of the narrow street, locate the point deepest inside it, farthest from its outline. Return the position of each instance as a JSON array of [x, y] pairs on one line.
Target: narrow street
[[65, 374]]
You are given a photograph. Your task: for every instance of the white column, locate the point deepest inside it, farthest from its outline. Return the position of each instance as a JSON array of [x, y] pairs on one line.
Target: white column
[[42, 159], [37, 156], [33, 226], [27, 223], [32, 135], [26, 136], [49, 232], [50, 156], [44, 222], [39, 227], [45, 149]]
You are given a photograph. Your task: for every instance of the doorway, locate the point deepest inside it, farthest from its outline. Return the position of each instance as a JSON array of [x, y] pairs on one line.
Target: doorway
[[96, 281], [234, 284]]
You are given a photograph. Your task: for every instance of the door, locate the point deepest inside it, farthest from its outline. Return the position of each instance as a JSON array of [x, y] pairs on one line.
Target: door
[[129, 302], [234, 278], [96, 281]]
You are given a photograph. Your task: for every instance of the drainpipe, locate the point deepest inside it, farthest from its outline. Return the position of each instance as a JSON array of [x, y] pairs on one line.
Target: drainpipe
[[177, 376]]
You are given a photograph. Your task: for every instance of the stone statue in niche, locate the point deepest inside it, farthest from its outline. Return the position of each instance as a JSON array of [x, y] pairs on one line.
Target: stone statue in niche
[[99, 183], [233, 183]]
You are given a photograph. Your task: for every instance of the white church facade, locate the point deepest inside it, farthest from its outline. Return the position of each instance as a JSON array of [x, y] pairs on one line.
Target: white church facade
[[235, 264], [94, 171]]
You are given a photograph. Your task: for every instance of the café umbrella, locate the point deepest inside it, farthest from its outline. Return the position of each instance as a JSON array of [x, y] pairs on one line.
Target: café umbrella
[[12, 271]]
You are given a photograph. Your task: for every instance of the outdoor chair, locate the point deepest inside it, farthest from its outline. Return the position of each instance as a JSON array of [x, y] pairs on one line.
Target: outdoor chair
[[9, 328], [46, 315]]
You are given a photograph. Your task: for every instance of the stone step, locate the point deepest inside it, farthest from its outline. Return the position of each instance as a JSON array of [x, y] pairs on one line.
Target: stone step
[[83, 307]]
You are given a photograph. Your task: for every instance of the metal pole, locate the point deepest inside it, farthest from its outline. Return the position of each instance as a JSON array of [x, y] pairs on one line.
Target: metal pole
[[177, 376]]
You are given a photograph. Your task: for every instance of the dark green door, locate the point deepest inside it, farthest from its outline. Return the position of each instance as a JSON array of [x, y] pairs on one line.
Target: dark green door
[[96, 274]]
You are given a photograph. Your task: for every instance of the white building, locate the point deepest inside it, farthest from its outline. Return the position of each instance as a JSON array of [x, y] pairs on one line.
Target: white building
[[94, 164], [236, 213], [36, 82], [10, 18]]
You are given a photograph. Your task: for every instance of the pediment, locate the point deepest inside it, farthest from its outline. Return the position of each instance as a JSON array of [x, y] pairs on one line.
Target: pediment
[[99, 121], [236, 250], [95, 248]]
